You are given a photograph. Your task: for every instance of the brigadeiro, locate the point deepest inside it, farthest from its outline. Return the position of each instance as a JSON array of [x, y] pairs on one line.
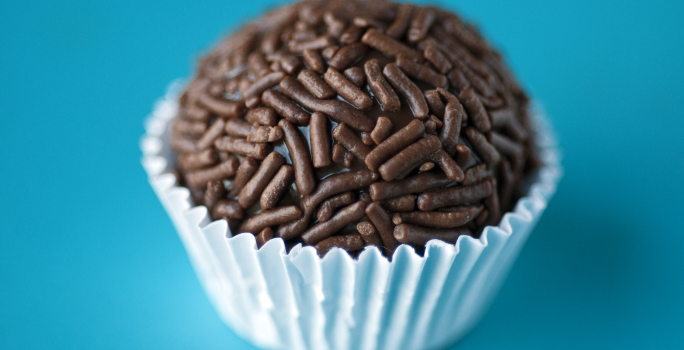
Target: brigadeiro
[[347, 124], [351, 175]]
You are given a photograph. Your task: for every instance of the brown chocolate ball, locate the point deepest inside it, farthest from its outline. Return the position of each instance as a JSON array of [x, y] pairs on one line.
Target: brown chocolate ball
[[354, 123]]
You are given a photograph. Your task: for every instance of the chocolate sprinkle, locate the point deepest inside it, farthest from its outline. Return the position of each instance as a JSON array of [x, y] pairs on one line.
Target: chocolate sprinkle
[[348, 124]]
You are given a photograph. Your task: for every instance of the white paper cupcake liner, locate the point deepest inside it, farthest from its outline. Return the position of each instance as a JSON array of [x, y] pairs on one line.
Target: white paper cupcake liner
[[297, 300]]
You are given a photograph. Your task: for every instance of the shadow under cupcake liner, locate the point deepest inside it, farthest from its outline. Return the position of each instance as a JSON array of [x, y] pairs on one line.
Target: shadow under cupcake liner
[[297, 300]]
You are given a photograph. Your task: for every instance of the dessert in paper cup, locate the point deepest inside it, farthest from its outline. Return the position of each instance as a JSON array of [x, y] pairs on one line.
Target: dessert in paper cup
[[351, 175]]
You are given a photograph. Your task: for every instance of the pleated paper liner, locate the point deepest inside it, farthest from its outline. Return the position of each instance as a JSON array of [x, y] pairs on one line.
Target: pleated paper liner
[[297, 300]]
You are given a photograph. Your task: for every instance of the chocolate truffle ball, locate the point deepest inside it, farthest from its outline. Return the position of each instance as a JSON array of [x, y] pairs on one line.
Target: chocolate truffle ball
[[354, 123]]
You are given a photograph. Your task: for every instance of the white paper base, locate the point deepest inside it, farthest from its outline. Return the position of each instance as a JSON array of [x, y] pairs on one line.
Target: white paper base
[[299, 301]]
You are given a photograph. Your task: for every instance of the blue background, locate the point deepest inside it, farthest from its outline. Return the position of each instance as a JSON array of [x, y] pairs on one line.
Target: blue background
[[88, 258]]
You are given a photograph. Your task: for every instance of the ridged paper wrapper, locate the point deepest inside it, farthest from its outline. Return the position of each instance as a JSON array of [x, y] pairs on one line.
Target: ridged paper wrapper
[[296, 300]]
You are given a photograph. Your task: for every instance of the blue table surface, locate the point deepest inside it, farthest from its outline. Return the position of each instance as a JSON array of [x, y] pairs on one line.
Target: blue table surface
[[89, 259]]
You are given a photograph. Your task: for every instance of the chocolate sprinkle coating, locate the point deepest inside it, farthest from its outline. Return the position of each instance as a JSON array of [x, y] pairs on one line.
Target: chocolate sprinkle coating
[[350, 123]]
